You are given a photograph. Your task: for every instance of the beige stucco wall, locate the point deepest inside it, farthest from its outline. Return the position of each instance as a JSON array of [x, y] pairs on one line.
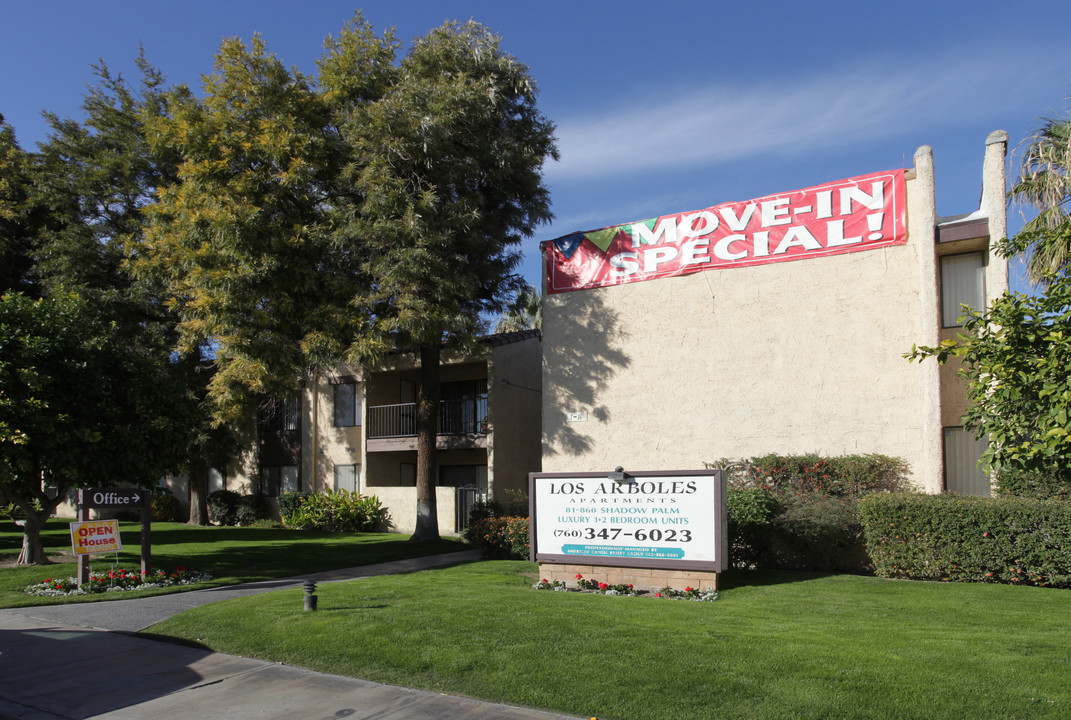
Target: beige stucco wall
[[514, 402], [402, 504], [328, 445], [794, 357]]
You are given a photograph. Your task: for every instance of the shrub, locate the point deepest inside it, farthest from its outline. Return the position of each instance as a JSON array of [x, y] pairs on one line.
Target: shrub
[[289, 502], [252, 508], [165, 507], [750, 512], [969, 539], [339, 511], [223, 507], [840, 476], [799, 511], [1052, 484], [500, 536]]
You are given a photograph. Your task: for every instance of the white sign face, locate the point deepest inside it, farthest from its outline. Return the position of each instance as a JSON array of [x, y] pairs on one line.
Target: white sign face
[[671, 520]]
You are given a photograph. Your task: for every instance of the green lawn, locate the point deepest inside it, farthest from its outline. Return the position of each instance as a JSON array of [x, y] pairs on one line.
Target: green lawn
[[230, 554], [776, 645]]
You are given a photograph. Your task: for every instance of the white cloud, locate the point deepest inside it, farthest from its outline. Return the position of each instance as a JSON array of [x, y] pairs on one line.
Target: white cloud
[[724, 122]]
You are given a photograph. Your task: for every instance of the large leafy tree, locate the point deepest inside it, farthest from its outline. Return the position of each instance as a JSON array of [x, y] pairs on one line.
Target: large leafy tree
[[79, 406], [19, 217], [241, 242], [1044, 186], [91, 181], [448, 169], [379, 207]]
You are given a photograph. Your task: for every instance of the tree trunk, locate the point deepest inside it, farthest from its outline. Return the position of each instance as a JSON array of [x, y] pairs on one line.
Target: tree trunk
[[198, 492], [33, 552], [427, 520]]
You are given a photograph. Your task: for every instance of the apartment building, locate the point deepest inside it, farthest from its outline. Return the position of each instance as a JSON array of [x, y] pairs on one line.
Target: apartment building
[[777, 325], [354, 428]]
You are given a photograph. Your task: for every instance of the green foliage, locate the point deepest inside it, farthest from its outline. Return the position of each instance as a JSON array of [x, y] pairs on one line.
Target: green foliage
[[226, 507], [223, 507], [501, 536], [1044, 184], [840, 476], [1015, 356], [80, 405], [19, 215], [338, 511], [969, 539], [252, 508], [524, 313], [165, 507], [1049, 484], [289, 502], [500, 529], [799, 511]]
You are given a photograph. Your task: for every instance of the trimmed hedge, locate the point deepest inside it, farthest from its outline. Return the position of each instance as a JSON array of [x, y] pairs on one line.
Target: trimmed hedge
[[840, 476], [969, 539], [798, 512], [1050, 484]]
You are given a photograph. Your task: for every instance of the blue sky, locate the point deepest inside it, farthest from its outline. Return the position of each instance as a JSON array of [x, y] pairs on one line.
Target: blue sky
[[660, 108]]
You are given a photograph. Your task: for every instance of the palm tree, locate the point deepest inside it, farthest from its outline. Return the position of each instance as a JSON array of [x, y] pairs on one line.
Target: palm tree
[[1045, 185], [525, 312]]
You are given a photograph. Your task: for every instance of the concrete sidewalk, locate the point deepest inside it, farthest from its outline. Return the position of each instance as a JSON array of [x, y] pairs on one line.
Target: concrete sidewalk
[[79, 661]]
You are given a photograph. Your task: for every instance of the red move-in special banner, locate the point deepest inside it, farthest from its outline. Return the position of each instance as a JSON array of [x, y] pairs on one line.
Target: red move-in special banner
[[860, 213]]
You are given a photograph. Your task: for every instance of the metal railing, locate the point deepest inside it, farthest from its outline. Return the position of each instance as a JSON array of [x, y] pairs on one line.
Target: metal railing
[[456, 417]]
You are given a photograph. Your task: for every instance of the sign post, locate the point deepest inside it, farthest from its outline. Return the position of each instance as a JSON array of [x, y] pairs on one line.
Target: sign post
[[125, 498]]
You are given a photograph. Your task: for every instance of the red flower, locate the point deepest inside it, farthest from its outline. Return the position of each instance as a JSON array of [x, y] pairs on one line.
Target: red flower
[[630, 586], [687, 589], [658, 594], [579, 576], [544, 579], [602, 586]]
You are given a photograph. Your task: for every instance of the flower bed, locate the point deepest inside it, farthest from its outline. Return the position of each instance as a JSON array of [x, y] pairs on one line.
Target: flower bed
[[601, 588], [117, 580]]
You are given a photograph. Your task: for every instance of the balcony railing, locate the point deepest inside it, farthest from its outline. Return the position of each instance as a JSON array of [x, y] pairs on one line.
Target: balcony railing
[[456, 417]]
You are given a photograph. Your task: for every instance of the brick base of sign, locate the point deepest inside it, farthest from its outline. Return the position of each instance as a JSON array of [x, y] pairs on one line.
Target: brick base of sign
[[652, 579]]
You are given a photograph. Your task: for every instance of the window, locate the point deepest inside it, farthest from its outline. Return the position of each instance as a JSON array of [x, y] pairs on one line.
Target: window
[[215, 480], [962, 283], [278, 479], [962, 452], [347, 413], [346, 477], [407, 474], [281, 415]]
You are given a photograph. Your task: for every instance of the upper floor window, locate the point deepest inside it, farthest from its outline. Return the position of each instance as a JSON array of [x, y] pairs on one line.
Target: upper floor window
[[962, 283], [281, 415], [347, 410]]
